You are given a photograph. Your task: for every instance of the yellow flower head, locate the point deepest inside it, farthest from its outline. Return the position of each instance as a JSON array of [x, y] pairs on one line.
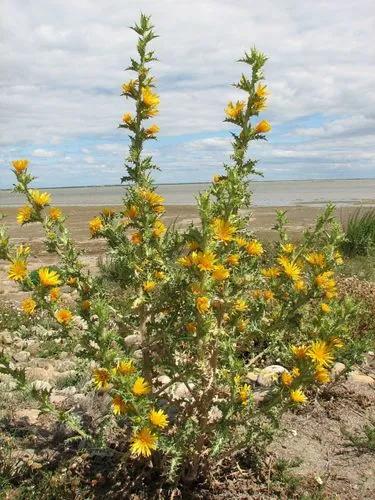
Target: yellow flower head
[[141, 387], [40, 199], [153, 130], [254, 248], [268, 295], [263, 127], [191, 327], [129, 87], [271, 272], [127, 118], [119, 407], [55, 214], [154, 199], [132, 212], [320, 353], [108, 212], [223, 230], [136, 238], [244, 393], [48, 277], [261, 93], [63, 316], [17, 270], [241, 324], [101, 378], [20, 165], [325, 308], [326, 282], [322, 375], [296, 372], [160, 275], [28, 306], [234, 110], [202, 304], [143, 443], [148, 286], [24, 214], [338, 258], [95, 225], [286, 378], [125, 368], [151, 101], [299, 351], [54, 294], [298, 396], [291, 269], [299, 286], [233, 259], [240, 305], [205, 261], [192, 245], [159, 229], [241, 242], [288, 248], [158, 418], [316, 259], [220, 273], [72, 281]]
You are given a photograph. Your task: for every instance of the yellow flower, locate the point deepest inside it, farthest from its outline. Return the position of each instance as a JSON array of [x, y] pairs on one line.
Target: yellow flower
[[338, 258], [20, 165], [254, 248], [141, 387], [129, 87], [160, 275], [40, 199], [202, 304], [55, 213], [24, 214], [220, 273], [287, 248], [63, 316], [17, 270], [299, 286], [125, 368], [260, 97], [316, 259], [23, 251], [325, 307], [119, 407], [271, 272], [95, 225], [28, 306], [151, 100], [322, 375], [153, 130], [101, 378], [127, 118], [296, 372], [158, 418], [191, 327], [320, 353], [326, 282], [72, 281], [241, 242], [240, 305], [151, 197], [148, 286], [136, 238], [299, 351], [158, 229], [54, 294], [108, 212], [205, 261], [244, 393], [48, 277], [286, 378], [289, 268], [185, 261], [192, 245], [298, 396], [143, 443], [233, 259], [233, 110], [268, 295], [223, 230], [262, 127], [131, 212]]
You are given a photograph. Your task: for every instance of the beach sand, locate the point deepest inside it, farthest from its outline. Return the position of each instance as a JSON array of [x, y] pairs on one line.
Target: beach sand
[[261, 220]]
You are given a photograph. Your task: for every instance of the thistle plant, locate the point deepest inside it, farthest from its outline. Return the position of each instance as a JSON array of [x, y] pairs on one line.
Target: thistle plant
[[206, 308]]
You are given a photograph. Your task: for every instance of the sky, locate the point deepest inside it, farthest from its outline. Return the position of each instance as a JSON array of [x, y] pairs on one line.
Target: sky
[[62, 66]]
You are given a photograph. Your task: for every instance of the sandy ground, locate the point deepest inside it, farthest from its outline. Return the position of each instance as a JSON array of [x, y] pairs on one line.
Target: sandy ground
[[261, 219]]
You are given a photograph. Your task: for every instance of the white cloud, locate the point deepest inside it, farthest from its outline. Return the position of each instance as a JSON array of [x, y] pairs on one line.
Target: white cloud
[[43, 153]]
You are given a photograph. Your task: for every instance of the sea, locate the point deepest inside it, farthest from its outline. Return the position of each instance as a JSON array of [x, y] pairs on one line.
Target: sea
[[265, 193]]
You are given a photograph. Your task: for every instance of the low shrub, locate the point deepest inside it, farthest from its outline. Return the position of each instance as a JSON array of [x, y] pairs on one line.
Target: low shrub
[[360, 233]]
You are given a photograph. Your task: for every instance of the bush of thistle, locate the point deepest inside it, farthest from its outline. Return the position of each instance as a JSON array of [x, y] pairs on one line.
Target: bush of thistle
[[179, 320]]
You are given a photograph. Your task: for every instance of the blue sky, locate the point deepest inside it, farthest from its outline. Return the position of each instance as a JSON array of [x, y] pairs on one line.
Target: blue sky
[[62, 69]]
